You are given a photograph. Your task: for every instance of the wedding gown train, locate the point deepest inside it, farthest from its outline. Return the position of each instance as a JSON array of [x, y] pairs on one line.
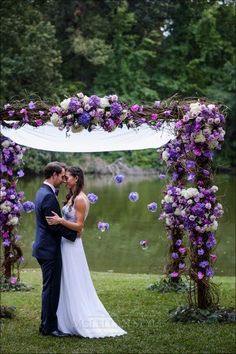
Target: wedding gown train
[[80, 311]]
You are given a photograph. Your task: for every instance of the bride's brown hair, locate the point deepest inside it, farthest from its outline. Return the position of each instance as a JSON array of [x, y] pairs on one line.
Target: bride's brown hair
[[75, 171]]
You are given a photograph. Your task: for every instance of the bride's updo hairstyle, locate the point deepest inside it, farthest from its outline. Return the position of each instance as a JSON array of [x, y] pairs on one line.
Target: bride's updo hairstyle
[[75, 171]]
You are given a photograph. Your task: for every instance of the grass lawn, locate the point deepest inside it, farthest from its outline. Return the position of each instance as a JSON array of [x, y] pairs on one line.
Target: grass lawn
[[142, 313]]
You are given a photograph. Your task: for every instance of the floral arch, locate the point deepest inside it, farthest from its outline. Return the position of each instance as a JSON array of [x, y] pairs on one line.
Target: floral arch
[[189, 205]]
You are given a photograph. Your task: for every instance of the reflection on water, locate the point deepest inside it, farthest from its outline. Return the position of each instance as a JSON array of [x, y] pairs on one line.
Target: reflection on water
[[118, 249]]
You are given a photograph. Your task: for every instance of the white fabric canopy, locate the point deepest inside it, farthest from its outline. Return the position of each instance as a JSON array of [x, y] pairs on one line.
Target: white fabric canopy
[[50, 138]]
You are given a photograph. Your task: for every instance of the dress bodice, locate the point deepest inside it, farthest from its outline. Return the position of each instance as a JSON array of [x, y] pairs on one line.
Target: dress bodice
[[68, 212]]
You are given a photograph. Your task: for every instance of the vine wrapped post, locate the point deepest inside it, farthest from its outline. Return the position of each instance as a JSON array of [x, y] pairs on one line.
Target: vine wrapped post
[[11, 207]]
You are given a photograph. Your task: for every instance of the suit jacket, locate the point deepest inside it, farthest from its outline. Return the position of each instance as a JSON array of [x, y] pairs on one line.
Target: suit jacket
[[48, 237]]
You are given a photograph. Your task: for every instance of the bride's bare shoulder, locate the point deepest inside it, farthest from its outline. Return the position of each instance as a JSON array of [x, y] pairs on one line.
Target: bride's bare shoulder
[[81, 198]]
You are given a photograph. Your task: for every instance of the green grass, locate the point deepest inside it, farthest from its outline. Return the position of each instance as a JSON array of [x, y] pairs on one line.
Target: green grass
[[142, 313]]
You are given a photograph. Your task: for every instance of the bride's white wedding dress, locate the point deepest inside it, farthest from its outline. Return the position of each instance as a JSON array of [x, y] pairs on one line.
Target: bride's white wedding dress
[[80, 312]]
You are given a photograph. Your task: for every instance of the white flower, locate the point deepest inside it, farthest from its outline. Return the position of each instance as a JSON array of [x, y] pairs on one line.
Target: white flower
[[177, 211], [12, 196], [168, 199], [5, 207], [13, 220], [195, 108], [214, 189], [124, 114], [189, 193], [55, 118], [165, 155], [192, 217], [211, 106], [6, 143], [85, 99], [213, 226], [208, 205], [199, 138], [65, 103], [80, 95], [104, 102], [168, 221]]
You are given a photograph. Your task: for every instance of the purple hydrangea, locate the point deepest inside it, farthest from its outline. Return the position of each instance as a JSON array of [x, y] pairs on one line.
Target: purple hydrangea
[[200, 252], [152, 207], [28, 206], [133, 196], [84, 119], [74, 104], [103, 226], [174, 255], [116, 109], [94, 101], [92, 198], [119, 178]]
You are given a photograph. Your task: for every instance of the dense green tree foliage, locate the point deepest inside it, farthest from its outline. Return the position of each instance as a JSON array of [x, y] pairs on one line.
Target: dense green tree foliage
[[142, 50]]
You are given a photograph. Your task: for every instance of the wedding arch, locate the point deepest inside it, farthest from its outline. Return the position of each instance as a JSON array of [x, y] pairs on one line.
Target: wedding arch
[[189, 131]]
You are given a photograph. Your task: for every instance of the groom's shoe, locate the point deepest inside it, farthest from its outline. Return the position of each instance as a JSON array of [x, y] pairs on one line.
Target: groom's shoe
[[55, 333]]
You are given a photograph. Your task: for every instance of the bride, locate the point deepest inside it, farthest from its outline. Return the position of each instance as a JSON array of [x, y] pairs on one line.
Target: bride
[[80, 311]]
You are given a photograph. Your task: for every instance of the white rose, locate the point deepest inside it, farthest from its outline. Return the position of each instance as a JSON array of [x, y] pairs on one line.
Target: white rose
[[165, 155], [55, 118], [104, 102], [6, 143], [65, 104], [199, 138], [195, 108], [80, 95]]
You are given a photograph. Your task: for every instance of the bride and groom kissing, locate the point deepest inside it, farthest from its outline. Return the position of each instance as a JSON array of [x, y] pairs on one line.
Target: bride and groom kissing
[[70, 304]]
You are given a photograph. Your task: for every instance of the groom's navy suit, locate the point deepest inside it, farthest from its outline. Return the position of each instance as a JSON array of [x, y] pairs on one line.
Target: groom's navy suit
[[47, 250]]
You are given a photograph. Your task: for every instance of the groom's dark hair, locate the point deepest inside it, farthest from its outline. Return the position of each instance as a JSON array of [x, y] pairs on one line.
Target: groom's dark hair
[[53, 167]]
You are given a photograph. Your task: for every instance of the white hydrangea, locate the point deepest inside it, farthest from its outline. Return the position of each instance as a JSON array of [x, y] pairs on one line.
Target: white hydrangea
[[85, 99], [5, 207], [211, 106], [168, 199], [6, 143], [189, 193], [212, 227], [65, 103], [165, 155], [13, 221], [195, 108], [55, 119], [104, 102], [177, 211], [214, 189]]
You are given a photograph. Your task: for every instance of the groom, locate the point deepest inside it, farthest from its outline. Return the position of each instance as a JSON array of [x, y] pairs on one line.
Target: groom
[[46, 247]]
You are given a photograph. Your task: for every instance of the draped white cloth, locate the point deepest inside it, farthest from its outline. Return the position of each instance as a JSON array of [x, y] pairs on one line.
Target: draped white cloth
[[50, 138]]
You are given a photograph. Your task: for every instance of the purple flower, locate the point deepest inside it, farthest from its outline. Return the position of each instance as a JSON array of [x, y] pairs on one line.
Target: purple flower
[[41, 113], [190, 164], [174, 274], [92, 198], [103, 226], [94, 101], [119, 178], [191, 177], [174, 255], [167, 113], [157, 104], [18, 237], [13, 280], [6, 243], [133, 196], [84, 119], [200, 275], [134, 108], [178, 242], [200, 252], [162, 176], [152, 207], [210, 272], [181, 265], [28, 206], [109, 125], [11, 113], [74, 104], [31, 105], [203, 264], [116, 109], [20, 173]]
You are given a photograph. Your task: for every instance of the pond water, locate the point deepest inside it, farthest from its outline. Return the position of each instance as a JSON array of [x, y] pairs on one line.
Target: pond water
[[118, 249]]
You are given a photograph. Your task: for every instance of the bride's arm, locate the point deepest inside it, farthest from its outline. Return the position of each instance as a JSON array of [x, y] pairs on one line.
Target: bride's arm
[[78, 225]]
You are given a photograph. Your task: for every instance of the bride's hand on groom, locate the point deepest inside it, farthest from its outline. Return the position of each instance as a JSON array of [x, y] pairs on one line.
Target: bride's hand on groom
[[53, 220]]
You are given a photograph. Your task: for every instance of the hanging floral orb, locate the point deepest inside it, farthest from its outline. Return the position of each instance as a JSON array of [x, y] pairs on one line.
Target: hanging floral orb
[[133, 196], [92, 198]]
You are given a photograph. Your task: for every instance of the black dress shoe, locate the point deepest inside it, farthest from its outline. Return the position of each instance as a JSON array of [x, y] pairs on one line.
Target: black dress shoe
[[55, 333]]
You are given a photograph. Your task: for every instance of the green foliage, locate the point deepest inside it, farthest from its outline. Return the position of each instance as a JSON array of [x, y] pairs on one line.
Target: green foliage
[[166, 285], [142, 50], [188, 314]]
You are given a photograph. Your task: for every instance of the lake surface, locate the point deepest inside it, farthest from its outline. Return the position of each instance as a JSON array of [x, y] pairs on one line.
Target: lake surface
[[118, 249]]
